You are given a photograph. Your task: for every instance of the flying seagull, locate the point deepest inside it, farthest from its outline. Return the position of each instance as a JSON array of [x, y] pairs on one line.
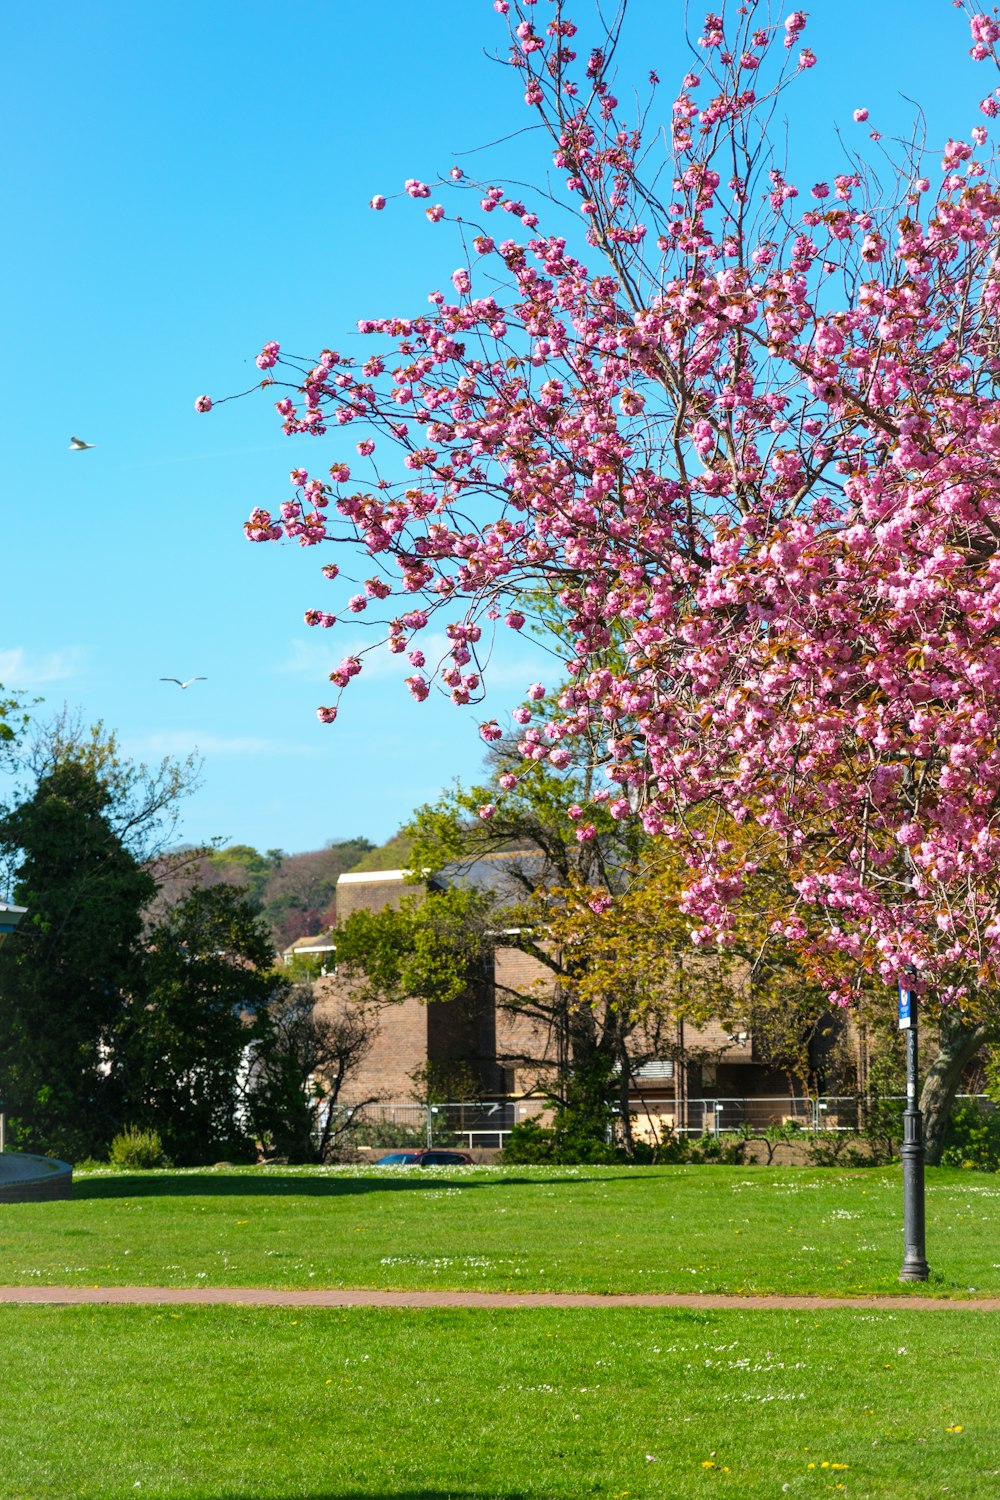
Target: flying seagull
[[183, 684], [77, 445]]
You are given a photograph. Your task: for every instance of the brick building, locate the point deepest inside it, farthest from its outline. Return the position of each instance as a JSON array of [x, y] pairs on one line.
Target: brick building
[[411, 1035], [679, 1068]]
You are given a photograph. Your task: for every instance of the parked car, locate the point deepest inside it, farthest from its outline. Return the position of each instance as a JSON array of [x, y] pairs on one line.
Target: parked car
[[425, 1159]]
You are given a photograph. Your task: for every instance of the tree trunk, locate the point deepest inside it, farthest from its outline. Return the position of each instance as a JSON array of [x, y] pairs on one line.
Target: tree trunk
[[625, 1113], [956, 1043]]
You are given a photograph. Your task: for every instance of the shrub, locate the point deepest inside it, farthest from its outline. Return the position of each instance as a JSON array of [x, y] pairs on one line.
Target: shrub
[[882, 1127], [137, 1148], [574, 1141], [882, 1108], [643, 1154], [583, 1120], [972, 1138], [723, 1151], [844, 1148], [672, 1148], [529, 1144]]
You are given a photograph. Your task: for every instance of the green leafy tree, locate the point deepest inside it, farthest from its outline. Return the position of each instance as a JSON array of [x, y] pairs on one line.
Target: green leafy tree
[[524, 873], [183, 1043], [430, 948], [241, 864], [14, 722], [66, 975], [143, 806], [615, 981]]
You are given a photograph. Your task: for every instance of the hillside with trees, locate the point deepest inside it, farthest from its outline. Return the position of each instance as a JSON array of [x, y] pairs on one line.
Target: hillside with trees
[[296, 893]]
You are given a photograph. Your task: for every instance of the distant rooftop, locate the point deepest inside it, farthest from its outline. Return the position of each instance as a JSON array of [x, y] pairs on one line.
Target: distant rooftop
[[495, 872], [9, 917], [321, 942]]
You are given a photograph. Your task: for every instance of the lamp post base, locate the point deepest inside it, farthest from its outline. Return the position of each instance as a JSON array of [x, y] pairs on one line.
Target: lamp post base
[[915, 1267]]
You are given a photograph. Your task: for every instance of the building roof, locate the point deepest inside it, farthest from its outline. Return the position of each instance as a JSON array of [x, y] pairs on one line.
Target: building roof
[[321, 942], [9, 917]]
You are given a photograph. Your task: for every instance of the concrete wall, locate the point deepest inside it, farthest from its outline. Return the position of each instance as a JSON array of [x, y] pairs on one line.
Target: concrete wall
[[33, 1179]]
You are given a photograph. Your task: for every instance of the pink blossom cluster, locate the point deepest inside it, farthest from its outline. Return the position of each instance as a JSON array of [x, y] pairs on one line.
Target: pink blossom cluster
[[757, 470]]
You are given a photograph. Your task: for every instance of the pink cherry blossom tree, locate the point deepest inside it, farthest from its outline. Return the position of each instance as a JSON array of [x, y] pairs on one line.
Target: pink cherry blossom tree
[[743, 433]]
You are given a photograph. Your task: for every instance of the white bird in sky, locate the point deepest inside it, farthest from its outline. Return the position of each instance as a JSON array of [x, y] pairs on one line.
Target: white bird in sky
[[183, 684], [77, 445]]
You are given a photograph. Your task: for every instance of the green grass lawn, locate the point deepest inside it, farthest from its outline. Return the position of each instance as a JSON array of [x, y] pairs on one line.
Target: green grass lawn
[[227, 1404], [599, 1229]]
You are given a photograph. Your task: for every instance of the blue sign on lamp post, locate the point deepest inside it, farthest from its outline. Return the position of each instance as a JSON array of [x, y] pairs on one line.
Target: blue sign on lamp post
[[906, 1012]]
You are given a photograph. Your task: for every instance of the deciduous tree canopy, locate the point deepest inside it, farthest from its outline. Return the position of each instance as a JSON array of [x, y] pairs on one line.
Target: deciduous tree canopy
[[746, 430]]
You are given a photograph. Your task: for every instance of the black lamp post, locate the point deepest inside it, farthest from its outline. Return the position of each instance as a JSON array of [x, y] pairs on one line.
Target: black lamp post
[[915, 1267]]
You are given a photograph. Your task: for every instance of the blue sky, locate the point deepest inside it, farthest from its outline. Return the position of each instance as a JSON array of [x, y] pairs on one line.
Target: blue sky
[[182, 182]]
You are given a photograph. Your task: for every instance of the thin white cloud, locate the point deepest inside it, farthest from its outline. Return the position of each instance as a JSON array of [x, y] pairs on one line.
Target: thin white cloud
[[319, 656], [315, 657], [191, 458], [29, 669], [197, 742]]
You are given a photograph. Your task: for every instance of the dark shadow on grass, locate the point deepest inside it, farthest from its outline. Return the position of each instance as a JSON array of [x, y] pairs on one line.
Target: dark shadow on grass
[[214, 1184]]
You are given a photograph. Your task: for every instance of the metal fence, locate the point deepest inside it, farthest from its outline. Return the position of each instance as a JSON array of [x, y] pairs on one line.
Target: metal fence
[[717, 1116], [477, 1125], [811, 1113], [471, 1125]]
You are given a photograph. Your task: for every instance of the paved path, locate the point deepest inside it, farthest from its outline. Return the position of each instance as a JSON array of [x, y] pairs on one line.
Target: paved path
[[361, 1297]]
